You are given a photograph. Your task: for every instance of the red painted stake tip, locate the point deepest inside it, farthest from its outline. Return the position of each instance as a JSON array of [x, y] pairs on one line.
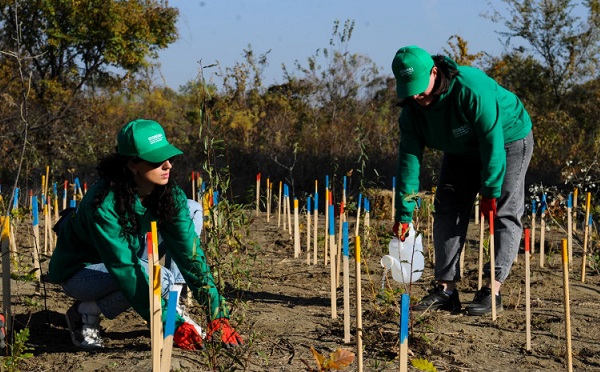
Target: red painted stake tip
[[491, 222], [527, 240], [149, 242]]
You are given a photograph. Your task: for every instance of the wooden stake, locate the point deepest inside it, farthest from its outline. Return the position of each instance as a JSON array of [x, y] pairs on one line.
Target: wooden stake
[[542, 230], [155, 353], [296, 230], [393, 198], [316, 226], [481, 240], [575, 197], [404, 309], [358, 215], [66, 185], [570, 228], [492, 266], [359, 336], [279, 207], [346, 264], [36, 243], [430, 251], [586, 233], [289, 213], [6, 290], [47, 179], [284, 211], [257, 193], [326, 219], [565, 258], [308, 227], [165, 363], [367, 222], [533, 214], [269, 194], [48, 234], [339, 245], [477, 212], [55, 207], [527, 293], [154, 292], [157, 337], [332, 266]]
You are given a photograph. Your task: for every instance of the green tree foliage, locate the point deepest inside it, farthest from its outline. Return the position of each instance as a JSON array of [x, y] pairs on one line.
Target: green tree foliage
[[459, 51], [62, 59], [83, 76], [568, 44], [554, 71]]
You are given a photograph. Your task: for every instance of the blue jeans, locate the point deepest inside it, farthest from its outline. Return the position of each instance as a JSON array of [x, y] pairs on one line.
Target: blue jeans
[[94, 282], [457, 189]]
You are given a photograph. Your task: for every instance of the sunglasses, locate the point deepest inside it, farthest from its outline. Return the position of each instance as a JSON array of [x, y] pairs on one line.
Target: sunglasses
[[158, 164]]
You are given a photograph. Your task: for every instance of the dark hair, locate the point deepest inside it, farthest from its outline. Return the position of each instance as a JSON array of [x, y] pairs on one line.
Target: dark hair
[[119, 179], [446, 72]]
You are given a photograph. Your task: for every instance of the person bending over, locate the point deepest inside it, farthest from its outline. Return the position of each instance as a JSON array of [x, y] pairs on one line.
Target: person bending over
[[485, 135]]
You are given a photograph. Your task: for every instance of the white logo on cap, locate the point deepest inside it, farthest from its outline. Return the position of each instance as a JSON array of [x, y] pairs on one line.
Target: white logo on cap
[[155, 138], [407, 71]]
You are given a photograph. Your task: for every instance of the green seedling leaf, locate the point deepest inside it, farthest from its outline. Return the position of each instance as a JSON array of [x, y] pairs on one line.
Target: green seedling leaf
[[423, 365]]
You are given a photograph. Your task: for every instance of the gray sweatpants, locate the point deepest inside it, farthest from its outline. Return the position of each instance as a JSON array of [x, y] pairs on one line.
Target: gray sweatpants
[[459, 183]]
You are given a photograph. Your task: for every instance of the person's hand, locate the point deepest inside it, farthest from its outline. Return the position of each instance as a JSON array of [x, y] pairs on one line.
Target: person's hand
[[186, 337], [488, 205], [401, 230], [229, 336]]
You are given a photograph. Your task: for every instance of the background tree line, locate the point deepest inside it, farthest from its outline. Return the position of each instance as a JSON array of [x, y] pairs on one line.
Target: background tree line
[[73, 72]]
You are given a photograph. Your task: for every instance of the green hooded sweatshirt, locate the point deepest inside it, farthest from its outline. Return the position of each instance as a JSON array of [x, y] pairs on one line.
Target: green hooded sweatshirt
[[93, 235], [476, 116]]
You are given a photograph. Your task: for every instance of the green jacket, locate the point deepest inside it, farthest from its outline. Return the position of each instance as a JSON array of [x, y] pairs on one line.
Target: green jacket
[[476, 116], [93, 235]]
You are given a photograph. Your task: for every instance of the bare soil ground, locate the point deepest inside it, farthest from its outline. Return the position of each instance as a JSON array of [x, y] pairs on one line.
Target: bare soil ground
[[283, 309]]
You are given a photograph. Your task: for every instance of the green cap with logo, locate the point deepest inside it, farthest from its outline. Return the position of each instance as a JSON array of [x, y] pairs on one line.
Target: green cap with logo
[[146, 140], [412, 69]]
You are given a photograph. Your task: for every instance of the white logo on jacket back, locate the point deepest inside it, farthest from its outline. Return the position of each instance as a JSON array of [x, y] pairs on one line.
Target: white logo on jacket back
[[461, 131]]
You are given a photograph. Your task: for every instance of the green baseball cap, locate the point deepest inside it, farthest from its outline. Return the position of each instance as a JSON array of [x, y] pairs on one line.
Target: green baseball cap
[[145, 139], [412, 68]]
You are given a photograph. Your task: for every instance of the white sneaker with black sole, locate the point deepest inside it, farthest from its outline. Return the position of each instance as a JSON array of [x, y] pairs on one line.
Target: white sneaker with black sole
[[83, 328]]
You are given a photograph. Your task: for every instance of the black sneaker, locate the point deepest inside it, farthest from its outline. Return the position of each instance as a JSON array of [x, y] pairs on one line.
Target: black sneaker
[[438, 299], [482, 303], [74, 322]]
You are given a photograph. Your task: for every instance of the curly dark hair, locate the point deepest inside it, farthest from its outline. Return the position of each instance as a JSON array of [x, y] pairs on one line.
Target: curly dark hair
[[119, 179]]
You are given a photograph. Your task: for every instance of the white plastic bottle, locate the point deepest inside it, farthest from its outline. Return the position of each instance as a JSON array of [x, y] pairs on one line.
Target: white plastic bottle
[[405, 258]]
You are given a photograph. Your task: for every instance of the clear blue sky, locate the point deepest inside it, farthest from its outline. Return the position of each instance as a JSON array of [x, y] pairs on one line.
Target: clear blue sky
[[219, 31]]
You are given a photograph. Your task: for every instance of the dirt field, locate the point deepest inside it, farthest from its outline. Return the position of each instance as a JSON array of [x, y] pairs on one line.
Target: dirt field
[[284, 308]]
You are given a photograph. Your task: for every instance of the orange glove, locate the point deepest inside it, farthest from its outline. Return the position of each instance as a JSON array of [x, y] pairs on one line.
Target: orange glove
[[402, 234], [228, 335], [186, 337], [488, 205]]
